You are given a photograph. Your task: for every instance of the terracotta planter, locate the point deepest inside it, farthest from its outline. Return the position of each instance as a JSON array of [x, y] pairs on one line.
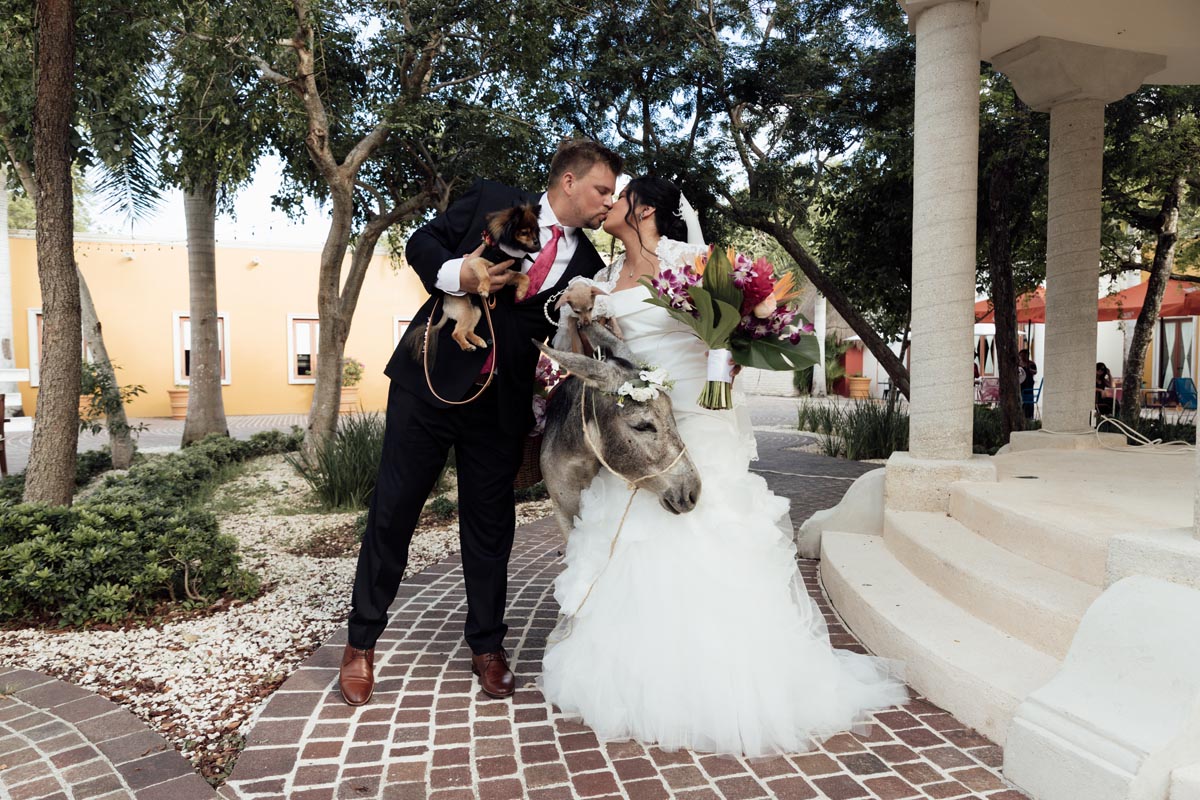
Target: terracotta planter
[[179, 403], [860, 388], [349, 403]]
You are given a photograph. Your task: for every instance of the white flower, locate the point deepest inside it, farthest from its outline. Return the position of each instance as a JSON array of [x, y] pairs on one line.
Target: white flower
[[657, 377], [643, 393], [626, 389]]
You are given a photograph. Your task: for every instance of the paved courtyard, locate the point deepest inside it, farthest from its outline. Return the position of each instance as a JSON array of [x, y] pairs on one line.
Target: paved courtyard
[[428, 732]]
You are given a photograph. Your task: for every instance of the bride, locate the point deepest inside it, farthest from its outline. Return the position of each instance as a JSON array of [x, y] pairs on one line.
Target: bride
[[696, 631]]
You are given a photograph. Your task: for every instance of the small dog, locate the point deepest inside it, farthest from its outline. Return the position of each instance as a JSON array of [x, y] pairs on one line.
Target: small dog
[[581, 302], [516, 228]]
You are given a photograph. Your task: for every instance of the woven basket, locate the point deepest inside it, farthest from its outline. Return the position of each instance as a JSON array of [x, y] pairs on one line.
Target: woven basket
[[530, 471]]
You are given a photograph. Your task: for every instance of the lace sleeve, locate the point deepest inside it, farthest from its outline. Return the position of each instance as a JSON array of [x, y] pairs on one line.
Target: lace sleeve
[[672, 253]]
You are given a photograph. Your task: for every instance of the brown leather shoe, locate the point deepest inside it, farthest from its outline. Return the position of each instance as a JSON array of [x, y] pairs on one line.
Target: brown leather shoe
[[356, 678], [495, 678]]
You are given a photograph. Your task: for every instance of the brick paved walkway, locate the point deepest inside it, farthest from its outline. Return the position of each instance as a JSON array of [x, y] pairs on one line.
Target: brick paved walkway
[[59, 741], [429, 734]]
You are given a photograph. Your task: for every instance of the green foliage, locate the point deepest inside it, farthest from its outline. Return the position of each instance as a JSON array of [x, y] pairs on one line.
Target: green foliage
[[138, 541], [88, 465], [105, 398], [1159, 428], [835, 368], [535, 492], [876, 430], [988, 429], [352, 371], [343, 470], [442, 507], [104, 563]]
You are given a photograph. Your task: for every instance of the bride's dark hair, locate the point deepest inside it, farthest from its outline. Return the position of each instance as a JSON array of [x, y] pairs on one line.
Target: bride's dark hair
[[664, 197]]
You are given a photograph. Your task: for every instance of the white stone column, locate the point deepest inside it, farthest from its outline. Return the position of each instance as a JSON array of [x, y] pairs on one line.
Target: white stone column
[[1072, 264], [1073, 82], [945, 177], [818, 381]]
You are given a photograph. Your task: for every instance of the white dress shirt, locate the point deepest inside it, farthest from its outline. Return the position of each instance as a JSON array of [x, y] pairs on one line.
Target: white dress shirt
[[448, 275]]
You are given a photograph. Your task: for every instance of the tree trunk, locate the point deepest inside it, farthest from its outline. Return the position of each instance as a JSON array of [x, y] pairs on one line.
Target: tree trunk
[[331, 342], [1004, 297], [206, 408], [879, 348], [50, 477], [120, 436], [1160, 273], [336, 301]]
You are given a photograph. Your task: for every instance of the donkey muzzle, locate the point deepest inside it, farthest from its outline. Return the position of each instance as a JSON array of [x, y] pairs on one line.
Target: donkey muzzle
[[681, 498]]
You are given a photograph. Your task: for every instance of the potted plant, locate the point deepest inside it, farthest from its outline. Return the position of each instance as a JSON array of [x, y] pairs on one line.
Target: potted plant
[[860, 387], [352, 373], [179, 401]]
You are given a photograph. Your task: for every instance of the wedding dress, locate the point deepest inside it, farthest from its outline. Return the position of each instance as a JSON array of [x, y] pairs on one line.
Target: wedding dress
[[697, 632]]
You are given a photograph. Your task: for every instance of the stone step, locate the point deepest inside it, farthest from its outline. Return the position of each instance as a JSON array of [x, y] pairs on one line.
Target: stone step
[[955, 659], [1037, 604], [1053, 537]]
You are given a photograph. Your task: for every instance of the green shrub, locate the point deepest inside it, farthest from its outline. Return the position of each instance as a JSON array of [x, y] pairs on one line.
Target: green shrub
[[873, 430], [104, 563], [442, 507], [138, 541], [88, 465], [535, 492], [1159, 427], [343, 470]]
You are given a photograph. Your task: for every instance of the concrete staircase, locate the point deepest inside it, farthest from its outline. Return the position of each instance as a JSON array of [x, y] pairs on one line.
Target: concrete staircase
[[982, 603]]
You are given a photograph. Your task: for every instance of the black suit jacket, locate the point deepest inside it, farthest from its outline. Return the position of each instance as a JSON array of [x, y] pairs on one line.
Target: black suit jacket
[[453, 373]]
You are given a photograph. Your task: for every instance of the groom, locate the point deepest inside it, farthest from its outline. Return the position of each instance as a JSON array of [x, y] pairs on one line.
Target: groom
[[487, 434]]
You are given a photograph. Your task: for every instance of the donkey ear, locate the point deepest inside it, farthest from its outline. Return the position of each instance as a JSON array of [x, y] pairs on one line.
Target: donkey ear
[[604, 375], [600, 336]]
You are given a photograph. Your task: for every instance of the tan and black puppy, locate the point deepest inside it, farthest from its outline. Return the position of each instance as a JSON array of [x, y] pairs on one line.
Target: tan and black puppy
[[508, 231]]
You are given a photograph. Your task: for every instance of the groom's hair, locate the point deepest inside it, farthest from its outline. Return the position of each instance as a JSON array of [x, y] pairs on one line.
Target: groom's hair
[[577, 156]]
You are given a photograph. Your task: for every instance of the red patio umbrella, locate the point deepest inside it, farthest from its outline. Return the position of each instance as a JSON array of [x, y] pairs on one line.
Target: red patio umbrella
[[1180, 299], [1031, 307]]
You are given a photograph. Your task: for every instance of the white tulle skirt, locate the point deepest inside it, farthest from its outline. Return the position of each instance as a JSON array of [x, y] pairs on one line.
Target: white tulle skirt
[[698, 633]]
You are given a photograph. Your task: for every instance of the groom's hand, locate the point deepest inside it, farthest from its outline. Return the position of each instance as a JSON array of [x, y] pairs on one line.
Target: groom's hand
[[470, 278]]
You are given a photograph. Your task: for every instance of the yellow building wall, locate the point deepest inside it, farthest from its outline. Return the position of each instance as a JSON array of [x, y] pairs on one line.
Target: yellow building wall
[[136, 300]]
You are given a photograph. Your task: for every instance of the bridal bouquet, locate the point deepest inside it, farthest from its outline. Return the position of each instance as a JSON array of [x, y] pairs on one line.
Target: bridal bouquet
[[742, 312]]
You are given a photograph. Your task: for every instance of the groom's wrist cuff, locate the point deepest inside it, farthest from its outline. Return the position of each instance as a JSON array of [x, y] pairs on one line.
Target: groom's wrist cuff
[[448, 277]]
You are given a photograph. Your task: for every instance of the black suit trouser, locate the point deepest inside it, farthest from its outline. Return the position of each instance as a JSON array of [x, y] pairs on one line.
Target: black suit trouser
[[417, 439]]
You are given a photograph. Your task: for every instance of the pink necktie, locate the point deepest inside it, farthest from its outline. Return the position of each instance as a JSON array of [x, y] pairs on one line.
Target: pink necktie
[[537, 276], [544, 261]]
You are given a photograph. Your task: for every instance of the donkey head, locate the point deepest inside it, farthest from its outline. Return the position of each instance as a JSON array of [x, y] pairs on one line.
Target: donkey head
[[637, 439]]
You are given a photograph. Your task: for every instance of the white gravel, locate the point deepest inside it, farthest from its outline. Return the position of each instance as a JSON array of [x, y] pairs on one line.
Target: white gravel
[[199, 681]]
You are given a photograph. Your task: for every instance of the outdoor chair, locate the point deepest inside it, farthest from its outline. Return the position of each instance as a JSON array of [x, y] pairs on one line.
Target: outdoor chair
[[1184, 390], [988, 390], [1033, 397]]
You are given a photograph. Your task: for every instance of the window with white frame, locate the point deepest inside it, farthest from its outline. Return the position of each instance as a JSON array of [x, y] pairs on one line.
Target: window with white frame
[[183, 347], [399, 326], [35, 347], [304, 334]]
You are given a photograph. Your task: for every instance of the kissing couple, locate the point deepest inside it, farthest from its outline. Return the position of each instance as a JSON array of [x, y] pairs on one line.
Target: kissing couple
[[691, 630]]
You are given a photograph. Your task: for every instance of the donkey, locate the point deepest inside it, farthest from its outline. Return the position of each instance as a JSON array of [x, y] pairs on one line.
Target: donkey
[[638, 440]]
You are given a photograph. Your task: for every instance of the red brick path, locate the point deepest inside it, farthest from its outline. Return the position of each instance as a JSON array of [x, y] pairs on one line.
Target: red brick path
[[428, 732]]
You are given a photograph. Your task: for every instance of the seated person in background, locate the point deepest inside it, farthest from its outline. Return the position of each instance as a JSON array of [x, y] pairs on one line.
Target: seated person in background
[[1104, 405], [1027, 370]]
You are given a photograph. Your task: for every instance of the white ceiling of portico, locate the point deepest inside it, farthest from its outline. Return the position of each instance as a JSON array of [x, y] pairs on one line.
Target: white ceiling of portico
[[1165, 27]]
